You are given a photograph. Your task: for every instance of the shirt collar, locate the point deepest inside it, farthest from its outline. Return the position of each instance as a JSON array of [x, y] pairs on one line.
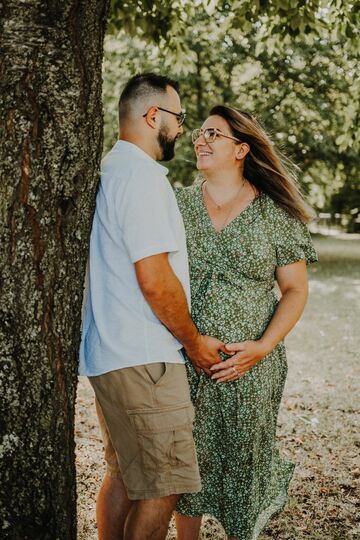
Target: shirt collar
[[136, 151]]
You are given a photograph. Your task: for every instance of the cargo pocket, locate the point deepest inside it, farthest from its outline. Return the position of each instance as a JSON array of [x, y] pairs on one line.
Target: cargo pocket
[[165, 440]]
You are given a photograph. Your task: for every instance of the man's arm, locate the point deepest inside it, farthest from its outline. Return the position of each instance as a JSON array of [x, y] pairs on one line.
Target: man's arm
[[166, 297]]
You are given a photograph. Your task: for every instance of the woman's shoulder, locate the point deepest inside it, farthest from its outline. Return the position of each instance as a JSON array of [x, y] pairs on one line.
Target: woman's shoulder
[[184, 195], [275, 213]]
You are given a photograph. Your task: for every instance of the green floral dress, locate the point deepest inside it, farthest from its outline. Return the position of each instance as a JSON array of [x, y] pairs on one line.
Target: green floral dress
[[244, 480]]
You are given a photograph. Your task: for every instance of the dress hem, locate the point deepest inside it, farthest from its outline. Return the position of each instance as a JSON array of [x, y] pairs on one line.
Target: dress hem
[[262, 520]]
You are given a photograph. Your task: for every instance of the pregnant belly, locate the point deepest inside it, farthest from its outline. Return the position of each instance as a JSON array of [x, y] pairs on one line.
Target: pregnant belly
[[236, 317]]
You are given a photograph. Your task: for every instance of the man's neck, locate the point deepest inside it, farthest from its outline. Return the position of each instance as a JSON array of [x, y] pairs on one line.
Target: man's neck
[[144, 145]]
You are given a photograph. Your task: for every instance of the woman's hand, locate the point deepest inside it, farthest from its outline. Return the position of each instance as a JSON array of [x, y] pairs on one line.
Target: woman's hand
[[247, 354]]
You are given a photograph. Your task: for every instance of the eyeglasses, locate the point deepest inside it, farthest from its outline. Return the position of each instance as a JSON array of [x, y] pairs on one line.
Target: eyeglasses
[[210, 135], [180, 116]]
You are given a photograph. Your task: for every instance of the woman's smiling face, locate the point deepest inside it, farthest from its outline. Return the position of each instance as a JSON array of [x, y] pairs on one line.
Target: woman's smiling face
[[217, 155]]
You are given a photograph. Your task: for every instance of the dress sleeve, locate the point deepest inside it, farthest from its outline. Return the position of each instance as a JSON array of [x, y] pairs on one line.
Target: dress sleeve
[[294, 243]]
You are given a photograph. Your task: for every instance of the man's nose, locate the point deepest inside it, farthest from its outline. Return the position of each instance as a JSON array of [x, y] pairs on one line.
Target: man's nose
[[181, 130]]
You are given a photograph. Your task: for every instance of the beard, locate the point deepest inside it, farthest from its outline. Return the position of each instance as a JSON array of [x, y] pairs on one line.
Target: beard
[[167, 144]]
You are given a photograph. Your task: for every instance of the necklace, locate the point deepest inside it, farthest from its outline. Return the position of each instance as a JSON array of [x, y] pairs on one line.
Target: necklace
[[219, 206]]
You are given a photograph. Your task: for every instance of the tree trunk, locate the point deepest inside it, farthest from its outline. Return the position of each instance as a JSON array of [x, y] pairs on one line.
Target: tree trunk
[[50, 149]]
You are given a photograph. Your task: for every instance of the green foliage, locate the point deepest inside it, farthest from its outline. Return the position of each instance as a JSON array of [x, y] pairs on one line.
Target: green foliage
[[150, 20], [164, 20], [292, 63]]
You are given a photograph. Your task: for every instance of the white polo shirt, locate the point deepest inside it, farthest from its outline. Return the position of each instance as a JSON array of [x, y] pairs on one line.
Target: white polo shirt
[[136, 216]]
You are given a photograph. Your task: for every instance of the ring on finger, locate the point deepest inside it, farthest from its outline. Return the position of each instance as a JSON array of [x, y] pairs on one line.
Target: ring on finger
[[234, 370]]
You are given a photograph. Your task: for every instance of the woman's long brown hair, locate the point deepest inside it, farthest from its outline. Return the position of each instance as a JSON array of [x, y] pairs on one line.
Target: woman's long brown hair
[[264, 167]]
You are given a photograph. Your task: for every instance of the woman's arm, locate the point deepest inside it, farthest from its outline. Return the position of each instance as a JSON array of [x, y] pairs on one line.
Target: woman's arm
[[293, 284]]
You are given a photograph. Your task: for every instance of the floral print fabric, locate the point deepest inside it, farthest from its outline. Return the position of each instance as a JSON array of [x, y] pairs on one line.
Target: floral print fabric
[[244, 480]]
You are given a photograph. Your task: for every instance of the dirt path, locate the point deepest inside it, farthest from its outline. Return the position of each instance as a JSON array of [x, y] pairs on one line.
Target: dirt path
[[319, 419]]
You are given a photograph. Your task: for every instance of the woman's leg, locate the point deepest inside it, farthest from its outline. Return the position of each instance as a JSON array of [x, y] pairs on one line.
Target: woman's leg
[[187, 527]]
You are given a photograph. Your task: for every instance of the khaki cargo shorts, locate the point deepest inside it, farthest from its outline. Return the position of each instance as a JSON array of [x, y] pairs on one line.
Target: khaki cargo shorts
[[146, 417]]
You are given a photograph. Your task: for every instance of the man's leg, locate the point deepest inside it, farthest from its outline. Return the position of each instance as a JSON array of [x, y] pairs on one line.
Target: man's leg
[[113, 504], [149, 519], [187, 528], [151, 439], [112, 507]]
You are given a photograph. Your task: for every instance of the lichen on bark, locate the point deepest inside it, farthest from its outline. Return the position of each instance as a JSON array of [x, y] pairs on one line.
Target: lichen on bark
[[50, 149]]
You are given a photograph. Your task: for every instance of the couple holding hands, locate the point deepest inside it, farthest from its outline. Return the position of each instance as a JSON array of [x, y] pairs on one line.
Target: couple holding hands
[[183, 332]]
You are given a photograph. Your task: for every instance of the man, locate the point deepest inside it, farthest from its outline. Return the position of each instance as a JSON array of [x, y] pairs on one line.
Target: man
[[137, 320]]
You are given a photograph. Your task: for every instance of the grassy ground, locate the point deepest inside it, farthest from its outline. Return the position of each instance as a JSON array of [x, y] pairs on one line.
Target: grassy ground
[[319, 419]]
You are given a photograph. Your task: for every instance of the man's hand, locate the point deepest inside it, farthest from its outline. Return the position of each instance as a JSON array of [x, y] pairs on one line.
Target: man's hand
[[204, 352]]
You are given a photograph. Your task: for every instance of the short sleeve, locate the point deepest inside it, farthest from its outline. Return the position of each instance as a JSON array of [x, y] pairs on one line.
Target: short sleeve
[[144, 215], [294, 243]]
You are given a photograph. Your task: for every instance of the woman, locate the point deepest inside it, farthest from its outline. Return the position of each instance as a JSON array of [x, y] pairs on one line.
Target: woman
[[246, 229]]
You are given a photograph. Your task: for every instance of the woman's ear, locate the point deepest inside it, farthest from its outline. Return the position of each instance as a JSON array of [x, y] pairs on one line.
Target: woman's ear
[[242, 150]]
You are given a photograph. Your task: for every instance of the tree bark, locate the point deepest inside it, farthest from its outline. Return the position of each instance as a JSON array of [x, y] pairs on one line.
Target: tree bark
[[50, 150]]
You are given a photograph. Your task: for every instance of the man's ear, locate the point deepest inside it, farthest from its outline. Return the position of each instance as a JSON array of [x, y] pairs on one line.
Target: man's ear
[[152, 117], [242, 150]]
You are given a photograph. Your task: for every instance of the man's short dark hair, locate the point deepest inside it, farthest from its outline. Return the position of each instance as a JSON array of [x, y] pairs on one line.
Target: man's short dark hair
[[141, 86]]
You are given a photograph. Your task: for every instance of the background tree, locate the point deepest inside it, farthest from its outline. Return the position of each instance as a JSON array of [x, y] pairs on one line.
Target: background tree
[[51, 141]]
